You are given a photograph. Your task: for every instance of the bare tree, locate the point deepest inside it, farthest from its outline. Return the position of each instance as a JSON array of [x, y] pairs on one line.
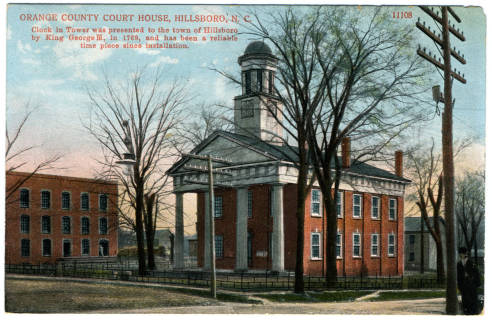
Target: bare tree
[[470, 207], [370, 83], [426, 173], [139, 115], [15, 156], [202, 123]]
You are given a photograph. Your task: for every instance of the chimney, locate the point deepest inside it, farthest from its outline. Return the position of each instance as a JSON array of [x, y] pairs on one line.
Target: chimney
[[399, 163], [346, 152]]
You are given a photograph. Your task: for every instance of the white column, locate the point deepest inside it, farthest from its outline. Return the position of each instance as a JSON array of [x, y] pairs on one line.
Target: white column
[[278, 228], [242, 229], [179, 230], [206, 243]]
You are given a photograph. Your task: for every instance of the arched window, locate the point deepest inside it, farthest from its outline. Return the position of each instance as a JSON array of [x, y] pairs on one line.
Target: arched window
[[103, 226], [66, 225], [85, 225], [24, 223], [24, 198]]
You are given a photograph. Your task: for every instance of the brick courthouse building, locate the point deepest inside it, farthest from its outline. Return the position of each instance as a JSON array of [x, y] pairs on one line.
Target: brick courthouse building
[[50, 217], [255, 220]]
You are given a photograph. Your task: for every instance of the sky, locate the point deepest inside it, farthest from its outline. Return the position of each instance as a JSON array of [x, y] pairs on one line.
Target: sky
[[53, 76]]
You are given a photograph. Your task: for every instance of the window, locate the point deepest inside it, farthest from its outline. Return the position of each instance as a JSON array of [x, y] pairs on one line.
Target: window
[[103, 202], [339, 201], [45, 199], [46, 247], [392, 209], [315, 203], [247, 82], [339, 245], [85, 247], [65, 200], [24, 198], [25, 247], [270, 82], [45, 224], [67, 248], [247, 109], [259, 80], [391, 245], [374, 245], [66, 227], [219, 246], [103, 226], [315, 245], [357, 206], [411, 239], [24, 223], [375, 208], [84, 201], [356, 245], [103, 247], [411, 256], [85, 225], [217, 206], [250, 204]]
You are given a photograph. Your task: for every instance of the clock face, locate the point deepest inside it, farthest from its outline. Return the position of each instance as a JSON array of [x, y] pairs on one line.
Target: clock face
[[247, 109]]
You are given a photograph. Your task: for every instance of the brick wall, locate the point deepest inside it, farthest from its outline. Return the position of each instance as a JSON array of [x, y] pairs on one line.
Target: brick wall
[[56, 185], [260, 228]]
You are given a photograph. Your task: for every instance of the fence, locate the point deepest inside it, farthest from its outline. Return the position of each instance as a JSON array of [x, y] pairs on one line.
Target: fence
[[234, 281]]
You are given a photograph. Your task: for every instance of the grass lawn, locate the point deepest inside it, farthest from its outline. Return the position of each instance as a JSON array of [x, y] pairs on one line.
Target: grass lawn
[[408, 295], [41, 296], [327, 296]]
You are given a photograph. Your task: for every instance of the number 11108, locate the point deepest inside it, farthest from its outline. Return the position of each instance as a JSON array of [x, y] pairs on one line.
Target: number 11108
[[402, 14]]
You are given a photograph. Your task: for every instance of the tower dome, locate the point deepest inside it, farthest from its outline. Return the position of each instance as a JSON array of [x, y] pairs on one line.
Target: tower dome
[[258, 47]]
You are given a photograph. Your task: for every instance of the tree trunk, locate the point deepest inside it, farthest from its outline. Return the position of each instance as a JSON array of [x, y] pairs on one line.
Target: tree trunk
[[331, 241], [300, 213], [140, 228], [149, 230], [440, 262]]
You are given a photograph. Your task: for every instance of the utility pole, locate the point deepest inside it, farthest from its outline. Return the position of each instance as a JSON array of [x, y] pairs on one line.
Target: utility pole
[[210, 170], [443, 42]]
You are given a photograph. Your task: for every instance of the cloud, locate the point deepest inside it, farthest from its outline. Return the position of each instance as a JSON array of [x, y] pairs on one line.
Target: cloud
[[30, 61], [23, 48], [164, 60], [9, 32]]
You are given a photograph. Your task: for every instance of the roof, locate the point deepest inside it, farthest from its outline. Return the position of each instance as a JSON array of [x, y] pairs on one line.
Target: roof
[[412, 224], [60, 177], [289, 154], [258, 47]]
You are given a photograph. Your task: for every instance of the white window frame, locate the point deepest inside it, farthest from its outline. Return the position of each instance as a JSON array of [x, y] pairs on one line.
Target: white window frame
[[359, 205], [42, 247], [49, 219], [82, 225], [340, 197], [314, 214], [339, 244], [69, 200], [82, 247], [63, 247], [377, 217], [392, 245], [99, 202], [107, 225], [49, 199], [395, 209], [318, 234], [88, 201], [69, 224], [359, 245], [28, 198], [250, 203], [376, 237], [222, 246], [28, 224], [28, 247]]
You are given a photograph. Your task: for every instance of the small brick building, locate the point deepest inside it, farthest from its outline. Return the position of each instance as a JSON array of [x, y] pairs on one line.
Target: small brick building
[[49, 217], [254, 204]]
